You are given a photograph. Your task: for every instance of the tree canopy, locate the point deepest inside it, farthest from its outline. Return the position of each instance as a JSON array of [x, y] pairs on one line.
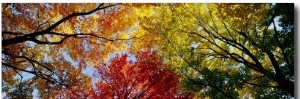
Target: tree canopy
[[146, 78], [199, 50]]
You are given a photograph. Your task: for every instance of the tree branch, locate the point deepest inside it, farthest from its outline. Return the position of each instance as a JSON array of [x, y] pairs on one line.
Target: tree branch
[[31, 36], [77, 14], [254, 84], [210, 85]]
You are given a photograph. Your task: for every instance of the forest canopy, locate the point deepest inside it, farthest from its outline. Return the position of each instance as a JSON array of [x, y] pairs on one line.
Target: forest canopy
[[169, 50]]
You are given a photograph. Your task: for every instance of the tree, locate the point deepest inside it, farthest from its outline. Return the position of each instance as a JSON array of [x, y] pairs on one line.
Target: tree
[[218, 50], [55, 42], [22, 90], [123, 79], [226, 50]]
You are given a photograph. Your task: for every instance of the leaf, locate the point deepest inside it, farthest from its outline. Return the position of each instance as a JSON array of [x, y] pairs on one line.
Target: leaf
[[144, 78]]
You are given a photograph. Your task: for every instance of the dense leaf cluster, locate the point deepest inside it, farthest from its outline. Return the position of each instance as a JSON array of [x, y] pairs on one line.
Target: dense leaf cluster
[[163, 50]]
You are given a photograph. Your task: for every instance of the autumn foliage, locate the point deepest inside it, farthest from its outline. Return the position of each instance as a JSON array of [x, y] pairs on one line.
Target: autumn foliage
[[122, 78], [168, 50]]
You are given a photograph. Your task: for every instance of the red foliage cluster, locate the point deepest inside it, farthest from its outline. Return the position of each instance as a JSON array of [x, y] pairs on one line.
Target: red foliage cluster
[[124, 79]]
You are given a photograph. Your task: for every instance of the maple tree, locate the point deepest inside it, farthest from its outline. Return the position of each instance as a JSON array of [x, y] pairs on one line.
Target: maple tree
[[228, 50], [123, 79], [52, 43]]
